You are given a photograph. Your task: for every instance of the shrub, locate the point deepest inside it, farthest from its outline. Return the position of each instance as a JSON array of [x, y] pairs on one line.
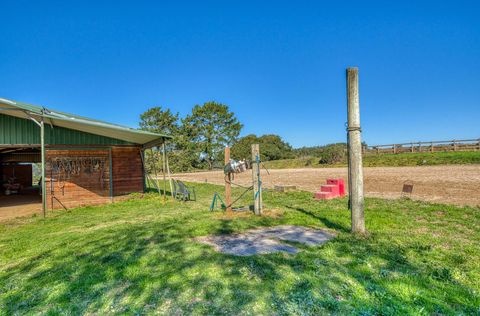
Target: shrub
[[334, 153]]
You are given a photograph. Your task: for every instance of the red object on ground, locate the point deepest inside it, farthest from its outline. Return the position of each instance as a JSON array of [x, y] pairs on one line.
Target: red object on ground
[[333, 189], [340, 183], [330, 188], [324, 196]]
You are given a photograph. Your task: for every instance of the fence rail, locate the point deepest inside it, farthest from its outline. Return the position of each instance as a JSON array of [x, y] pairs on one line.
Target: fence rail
[[424, 147]]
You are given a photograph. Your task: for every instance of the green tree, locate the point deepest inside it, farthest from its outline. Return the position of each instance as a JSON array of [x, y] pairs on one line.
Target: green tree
[[211, 127], [242, 149], [164, 121], [272, 147], [328, 154], [275, 148], [160, 121]]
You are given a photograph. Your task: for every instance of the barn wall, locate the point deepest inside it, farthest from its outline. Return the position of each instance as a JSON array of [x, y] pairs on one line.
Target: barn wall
[[87, 185], [127, 170], [79, 183]]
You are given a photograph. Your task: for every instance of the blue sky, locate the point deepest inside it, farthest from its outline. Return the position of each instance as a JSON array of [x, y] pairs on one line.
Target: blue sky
[[279, 65]]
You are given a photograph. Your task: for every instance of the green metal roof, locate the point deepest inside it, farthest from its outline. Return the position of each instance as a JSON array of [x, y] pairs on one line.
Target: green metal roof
[[19, 131], [78, 123]]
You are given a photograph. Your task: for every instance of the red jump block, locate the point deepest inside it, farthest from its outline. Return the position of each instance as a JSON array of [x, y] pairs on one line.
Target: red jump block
[[332, 188], [340, 183], [324, 196]]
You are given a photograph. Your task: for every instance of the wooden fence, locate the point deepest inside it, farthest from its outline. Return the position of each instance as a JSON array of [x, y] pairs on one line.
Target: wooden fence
[[424, 147]]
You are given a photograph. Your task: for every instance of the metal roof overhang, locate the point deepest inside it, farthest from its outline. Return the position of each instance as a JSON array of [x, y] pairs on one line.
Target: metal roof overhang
[[70, 121]]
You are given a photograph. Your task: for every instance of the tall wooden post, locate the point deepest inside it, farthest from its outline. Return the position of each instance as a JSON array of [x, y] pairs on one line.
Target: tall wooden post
[[355, 168], [44, 183], [257, 183], [228, 184]]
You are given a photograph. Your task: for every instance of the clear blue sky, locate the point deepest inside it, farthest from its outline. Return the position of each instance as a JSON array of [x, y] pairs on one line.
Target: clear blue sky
[[279, 65]]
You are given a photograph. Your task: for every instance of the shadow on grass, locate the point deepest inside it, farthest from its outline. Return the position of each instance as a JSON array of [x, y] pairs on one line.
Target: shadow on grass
[[157, 267], [328, 223]]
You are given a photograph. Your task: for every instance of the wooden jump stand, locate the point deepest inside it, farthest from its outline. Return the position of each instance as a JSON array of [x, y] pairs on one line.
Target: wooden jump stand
[[256, 184]]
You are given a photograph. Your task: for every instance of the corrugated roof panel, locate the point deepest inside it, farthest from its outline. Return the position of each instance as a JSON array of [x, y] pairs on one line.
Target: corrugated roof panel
[[79, 123], [15, 131]]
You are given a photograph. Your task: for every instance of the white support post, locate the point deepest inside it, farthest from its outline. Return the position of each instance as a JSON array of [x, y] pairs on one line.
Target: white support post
[[169, 177], [155, 170], [355, 166], [44, 183], [164, 176]]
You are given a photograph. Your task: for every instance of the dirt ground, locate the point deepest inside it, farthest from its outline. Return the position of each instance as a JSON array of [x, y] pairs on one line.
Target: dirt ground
[[452, 184], [19, 205]]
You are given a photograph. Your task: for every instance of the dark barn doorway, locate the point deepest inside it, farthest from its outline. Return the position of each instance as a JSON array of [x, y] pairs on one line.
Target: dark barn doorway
[[20, 193]]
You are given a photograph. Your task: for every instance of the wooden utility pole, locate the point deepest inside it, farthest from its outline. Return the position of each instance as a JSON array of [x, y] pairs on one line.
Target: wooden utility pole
[[228, 184], [355, 168], [257, 183]]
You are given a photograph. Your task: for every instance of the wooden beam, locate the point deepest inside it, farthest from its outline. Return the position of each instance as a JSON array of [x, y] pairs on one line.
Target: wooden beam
[[355, 166], [228, 184], [154, 143], [257, 183]]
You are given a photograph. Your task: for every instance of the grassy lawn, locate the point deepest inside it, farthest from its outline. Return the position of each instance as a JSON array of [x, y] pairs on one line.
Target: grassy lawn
[[388, 160], [138, 257]]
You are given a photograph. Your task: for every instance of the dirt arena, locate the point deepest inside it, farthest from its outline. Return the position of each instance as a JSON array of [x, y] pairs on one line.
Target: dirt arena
[[453, 184]]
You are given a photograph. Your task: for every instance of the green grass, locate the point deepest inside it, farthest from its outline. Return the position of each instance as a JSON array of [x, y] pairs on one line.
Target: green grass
[[139, 257], [387, 160]]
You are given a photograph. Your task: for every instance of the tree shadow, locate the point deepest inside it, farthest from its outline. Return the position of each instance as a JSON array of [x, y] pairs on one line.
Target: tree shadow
[[157, 267], [328, 223]]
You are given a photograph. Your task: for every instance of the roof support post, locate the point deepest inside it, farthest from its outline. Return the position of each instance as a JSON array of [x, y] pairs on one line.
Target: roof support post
[[164, 161], [43, 182], [142, 157], [169, 175], [155, 170], [110, 171]]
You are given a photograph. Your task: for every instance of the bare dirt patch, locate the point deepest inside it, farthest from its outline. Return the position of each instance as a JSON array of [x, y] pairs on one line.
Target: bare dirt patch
[[453, 184], [19, 205]]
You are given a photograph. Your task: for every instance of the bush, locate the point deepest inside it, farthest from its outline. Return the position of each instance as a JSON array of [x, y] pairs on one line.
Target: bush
[[272, 147], [331, 154]]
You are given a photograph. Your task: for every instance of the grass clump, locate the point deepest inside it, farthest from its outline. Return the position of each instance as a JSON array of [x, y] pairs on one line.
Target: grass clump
[[140, 257]]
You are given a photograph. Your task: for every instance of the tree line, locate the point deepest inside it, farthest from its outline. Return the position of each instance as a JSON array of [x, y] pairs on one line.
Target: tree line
[[200, 137]]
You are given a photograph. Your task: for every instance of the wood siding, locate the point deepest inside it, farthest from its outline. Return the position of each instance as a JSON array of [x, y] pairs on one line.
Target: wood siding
[[77, 187], [127, 170], [90, 185]]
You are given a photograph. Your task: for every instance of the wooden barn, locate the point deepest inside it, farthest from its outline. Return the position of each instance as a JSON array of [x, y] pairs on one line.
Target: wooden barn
[[59, 160]]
